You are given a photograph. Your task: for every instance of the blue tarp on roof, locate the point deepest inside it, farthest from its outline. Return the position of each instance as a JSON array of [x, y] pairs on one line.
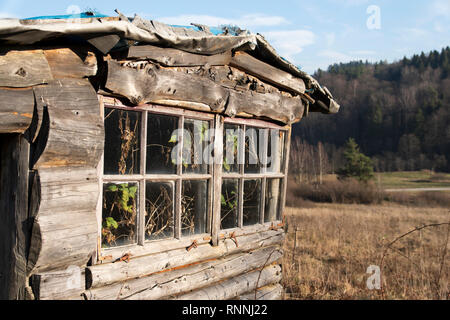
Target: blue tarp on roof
[[214, 30], [70, 16]]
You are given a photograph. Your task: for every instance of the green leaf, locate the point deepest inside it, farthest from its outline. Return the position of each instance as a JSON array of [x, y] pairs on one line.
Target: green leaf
[[110, 222], [222, 200], [173, 138], [113, 188]]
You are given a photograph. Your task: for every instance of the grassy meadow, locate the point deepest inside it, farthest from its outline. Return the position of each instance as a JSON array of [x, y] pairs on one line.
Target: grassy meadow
[[329, 247]]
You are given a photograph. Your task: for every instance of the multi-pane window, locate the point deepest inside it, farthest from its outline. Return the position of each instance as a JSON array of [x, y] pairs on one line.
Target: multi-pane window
[[156, 182], [158, 174], [252, 173]]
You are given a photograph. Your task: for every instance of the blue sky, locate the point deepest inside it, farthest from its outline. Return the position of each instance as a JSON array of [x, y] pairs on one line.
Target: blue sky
[[311, 34]]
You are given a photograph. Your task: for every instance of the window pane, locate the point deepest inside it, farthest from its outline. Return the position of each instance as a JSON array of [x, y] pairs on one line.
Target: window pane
[[231, 147], [272, 200], [122, 141], [229, 204], [161, 139], [254, 147], [252, 198], [158, 210], [195, 143], [275, 158], [194, 207], [119, 214]]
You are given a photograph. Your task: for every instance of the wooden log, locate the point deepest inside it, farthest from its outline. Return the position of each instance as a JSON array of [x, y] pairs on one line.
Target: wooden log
[[105, 274], [58, 285], [25, 68], [180, 280], [65, 229], [177, 58], [272, 106], [14, 225], [71, 62], [270, 292], [16, 110], [150, 84], [266, 72], [236, 286], [75, 133]]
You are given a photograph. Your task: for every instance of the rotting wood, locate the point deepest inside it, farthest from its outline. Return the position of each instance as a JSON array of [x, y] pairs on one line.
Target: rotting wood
[[105, 274], [71, 62], [266, 72], [236, 286], [151, 83], [174, 57], [183, 279], [16, 110], [23, 68]]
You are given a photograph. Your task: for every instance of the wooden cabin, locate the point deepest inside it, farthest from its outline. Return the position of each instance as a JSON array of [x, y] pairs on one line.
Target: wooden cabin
[[144, 161]]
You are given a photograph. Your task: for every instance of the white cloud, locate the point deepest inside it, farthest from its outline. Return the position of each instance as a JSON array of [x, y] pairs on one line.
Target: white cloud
[[290, 42], [441, 8], [349, 3], [245, 21], [336, 56], [363, 52]]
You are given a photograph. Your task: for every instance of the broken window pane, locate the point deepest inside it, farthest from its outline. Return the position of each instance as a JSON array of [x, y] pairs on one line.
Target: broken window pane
[[119, 214], [252, 198], [195, 143], [275, 159], [194, 206], [231, 147], [122, 141], [254, 147], [158, 210], [229, 204], [161, 139], [272, 199]]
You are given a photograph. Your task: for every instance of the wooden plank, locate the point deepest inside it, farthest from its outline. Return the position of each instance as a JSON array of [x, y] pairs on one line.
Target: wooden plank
[[16, 110], [71, 62], [14, 227], [105, 274], [177, 58], [236, 286], [151, 84], [181, 280], [217, 182], [23, 68], [266, 72], [58, 285]]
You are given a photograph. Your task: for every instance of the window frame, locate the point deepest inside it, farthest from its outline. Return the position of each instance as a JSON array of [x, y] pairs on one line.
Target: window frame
[[214, 177], [241, 176]]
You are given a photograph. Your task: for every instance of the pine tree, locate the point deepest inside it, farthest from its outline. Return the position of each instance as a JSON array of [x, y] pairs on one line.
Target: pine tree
[[357, 165]]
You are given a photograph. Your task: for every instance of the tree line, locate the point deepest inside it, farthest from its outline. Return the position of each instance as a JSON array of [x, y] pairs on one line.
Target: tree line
[[398, 113]]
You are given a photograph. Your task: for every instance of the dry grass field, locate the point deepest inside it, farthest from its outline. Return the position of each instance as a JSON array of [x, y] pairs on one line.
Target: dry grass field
[[329, 247]]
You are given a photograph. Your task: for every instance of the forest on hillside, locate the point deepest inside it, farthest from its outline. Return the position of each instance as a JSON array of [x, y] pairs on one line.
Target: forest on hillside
[[398, 113]]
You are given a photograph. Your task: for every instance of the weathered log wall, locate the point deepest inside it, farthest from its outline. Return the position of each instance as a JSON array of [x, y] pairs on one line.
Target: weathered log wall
[[54, 105]]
